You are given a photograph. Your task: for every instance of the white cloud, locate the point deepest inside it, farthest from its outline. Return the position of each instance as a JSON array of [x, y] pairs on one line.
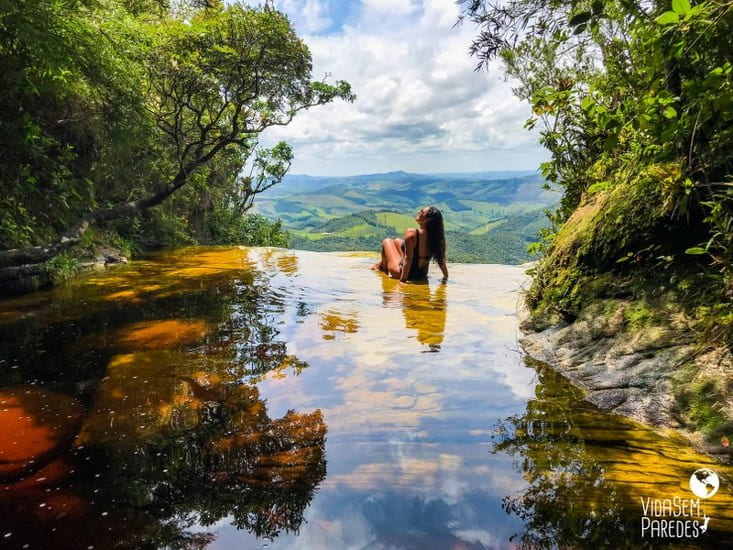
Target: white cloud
[[310, 16], [421, 106], [388, 8]]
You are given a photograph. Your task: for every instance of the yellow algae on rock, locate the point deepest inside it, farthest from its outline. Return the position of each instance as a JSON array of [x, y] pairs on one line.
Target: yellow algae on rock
[[132, 296], [161, 334], [141, 395]]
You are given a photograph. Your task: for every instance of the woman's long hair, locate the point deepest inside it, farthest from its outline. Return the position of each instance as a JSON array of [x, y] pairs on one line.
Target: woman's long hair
[[436, 233]]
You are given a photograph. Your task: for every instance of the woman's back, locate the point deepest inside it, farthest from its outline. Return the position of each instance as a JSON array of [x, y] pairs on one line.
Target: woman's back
[[410, 259], [420, 253]]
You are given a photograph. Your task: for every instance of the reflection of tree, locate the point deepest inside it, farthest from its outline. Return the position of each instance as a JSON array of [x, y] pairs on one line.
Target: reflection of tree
[[334, 321], [234, 462], [210, 453], [424, 311], [217, 285], [569, 502], [175, 434], [588, 471]]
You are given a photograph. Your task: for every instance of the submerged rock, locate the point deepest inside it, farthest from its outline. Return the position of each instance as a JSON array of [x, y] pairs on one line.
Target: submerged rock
[[35, 424]]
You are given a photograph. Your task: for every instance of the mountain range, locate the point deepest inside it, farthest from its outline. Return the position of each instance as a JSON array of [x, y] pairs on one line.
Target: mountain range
[[490, 217]]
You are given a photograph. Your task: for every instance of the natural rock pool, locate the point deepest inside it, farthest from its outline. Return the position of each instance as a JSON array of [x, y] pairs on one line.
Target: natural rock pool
[[245, 398]]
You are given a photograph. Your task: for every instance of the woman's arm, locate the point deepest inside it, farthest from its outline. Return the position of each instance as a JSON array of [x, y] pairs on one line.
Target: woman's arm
[[410, 241]]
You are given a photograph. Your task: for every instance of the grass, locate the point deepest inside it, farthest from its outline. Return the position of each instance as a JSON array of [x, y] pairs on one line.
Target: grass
[[701, 400], [394, 219], [485, 228]]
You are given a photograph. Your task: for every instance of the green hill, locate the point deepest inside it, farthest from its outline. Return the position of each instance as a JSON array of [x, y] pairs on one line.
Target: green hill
[[489, 217]]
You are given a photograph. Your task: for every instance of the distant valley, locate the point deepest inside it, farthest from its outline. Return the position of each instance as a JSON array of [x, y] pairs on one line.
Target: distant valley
[[490, 217]]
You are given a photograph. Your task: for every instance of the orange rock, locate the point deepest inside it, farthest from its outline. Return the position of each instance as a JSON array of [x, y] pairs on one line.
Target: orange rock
[[34, 422], [64, 504], [51, 474], [161, 334]]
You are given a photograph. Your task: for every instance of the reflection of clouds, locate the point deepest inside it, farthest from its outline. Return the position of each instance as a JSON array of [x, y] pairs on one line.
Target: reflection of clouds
[[394, 519], [371, 368], [408, 431], [351, 529], [497, 479], [369, 397], [478, 536], [392, 410], [409, 472], [421, 465], [501, 368]]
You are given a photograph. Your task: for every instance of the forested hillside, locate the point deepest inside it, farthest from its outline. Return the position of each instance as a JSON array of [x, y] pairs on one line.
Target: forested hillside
[[489, 217], [634, 100], [140, 119]]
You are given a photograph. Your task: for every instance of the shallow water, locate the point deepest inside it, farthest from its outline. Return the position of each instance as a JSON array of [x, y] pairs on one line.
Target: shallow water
[[244, 398]]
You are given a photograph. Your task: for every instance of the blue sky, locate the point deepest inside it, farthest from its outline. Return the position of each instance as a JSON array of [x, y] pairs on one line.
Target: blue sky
[[421, 107]]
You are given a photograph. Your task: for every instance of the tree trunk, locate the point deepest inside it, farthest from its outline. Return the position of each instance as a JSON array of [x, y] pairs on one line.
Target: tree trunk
[[39, 254]]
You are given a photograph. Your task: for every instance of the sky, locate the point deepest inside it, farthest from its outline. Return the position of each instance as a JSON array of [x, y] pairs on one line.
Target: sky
[[420, 107]]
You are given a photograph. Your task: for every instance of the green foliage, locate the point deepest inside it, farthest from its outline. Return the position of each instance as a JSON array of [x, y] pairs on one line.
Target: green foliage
[[331, 243], [96, 239], [113, 102], [635, 103], [62, 268], [702, 402], [507, 243], [54, 70], [226, 227]]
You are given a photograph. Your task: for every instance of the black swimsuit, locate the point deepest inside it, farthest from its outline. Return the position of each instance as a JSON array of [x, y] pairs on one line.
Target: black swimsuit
[[416, 272]]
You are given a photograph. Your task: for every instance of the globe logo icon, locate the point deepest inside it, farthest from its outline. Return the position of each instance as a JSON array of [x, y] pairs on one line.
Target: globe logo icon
[[704, 483]]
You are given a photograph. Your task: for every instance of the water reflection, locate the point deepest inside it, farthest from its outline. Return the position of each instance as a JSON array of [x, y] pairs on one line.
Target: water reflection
[[589, 472], [424, 310], [133, 426], [184, 401], [199, 458]]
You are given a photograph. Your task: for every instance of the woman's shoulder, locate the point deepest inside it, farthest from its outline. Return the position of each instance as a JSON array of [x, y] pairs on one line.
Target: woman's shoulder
[[410, 233]]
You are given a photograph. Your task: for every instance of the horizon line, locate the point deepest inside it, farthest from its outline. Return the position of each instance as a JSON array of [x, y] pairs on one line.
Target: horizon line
[[467, 172]]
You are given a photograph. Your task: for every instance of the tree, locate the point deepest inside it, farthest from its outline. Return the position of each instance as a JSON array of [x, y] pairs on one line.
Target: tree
[[575, 495], [635, 103], [202, 88]]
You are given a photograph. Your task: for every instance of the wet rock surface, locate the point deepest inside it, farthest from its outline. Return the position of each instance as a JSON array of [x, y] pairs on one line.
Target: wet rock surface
[[631, 371]]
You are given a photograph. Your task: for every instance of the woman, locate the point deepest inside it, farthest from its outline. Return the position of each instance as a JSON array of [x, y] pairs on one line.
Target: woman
[[409, 259]]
